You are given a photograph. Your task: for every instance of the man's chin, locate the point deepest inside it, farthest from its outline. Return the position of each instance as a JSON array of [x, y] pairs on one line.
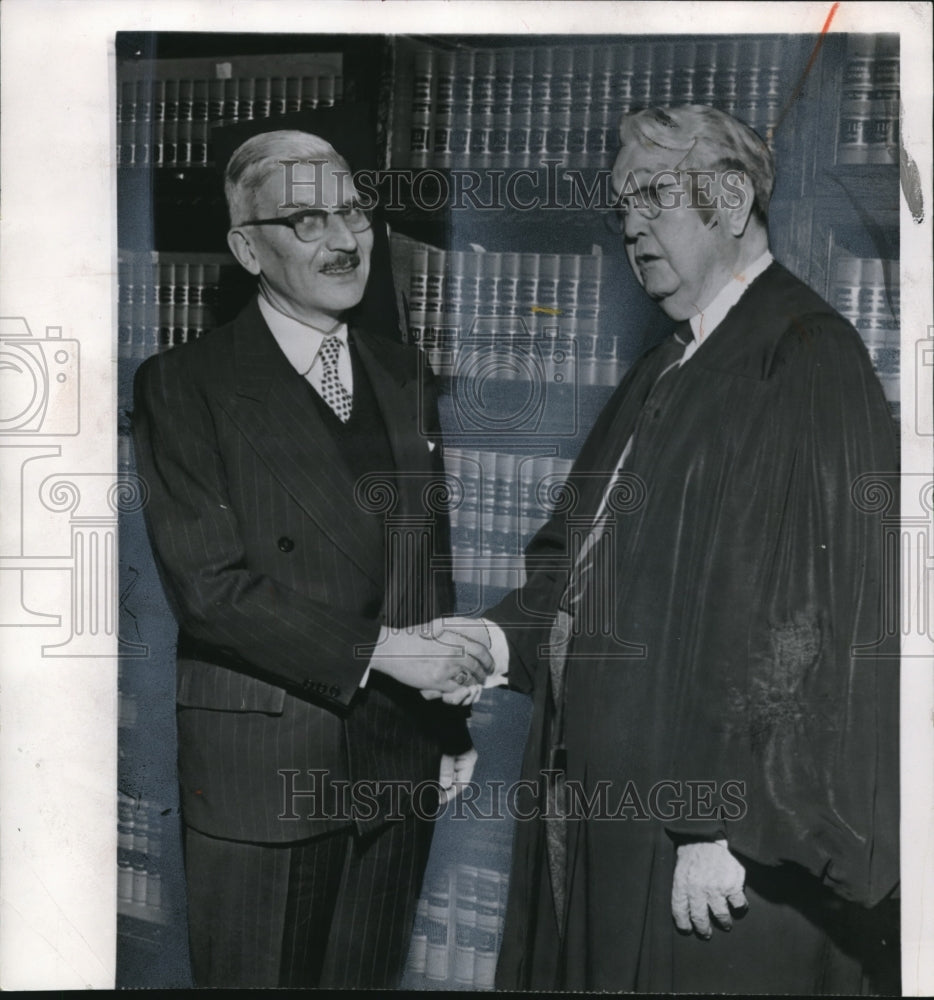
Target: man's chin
[[671, 307]]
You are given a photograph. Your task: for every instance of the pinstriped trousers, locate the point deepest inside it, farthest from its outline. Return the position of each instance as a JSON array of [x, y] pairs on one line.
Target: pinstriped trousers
[[334, 911]]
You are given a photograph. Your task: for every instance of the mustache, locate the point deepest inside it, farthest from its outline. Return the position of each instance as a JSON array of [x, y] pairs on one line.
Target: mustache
[[341, 260]]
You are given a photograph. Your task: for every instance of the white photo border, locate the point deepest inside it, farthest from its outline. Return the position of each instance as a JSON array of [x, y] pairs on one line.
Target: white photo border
[[58, 261]]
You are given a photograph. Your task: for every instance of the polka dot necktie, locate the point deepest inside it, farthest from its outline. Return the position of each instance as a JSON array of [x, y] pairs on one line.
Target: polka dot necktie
[[333, 391]]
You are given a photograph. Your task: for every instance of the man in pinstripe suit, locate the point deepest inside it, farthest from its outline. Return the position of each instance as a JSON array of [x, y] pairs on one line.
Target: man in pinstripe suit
[[288, 457]]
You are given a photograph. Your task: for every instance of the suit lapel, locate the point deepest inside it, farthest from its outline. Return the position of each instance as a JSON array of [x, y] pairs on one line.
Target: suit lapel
[[413, 526], [395, 395], [275, 412]]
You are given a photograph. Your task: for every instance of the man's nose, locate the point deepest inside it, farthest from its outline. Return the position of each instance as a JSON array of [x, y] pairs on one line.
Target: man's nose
[[634, 225], [338, 235]]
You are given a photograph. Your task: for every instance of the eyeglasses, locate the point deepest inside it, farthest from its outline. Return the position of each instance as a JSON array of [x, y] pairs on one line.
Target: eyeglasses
[[310, 224], [648, 202]]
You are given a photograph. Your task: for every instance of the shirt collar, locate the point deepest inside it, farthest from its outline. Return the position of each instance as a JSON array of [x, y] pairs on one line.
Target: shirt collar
[[704, 323], [298, 341]]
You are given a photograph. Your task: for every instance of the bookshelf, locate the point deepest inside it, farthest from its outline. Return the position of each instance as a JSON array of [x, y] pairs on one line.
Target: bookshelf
[[491, 158]]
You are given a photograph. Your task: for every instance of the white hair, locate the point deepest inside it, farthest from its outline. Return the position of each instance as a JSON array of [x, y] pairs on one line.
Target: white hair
[[254, 160], [710, 138]]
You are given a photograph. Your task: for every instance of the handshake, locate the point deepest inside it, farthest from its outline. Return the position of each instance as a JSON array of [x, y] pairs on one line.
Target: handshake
[[449, 658]]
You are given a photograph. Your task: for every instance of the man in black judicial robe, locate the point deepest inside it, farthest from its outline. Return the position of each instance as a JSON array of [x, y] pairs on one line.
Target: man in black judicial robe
[[725, 701]]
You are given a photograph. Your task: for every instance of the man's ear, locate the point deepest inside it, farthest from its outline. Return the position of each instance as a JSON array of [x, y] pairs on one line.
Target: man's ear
[[737, 197], [242, 249]]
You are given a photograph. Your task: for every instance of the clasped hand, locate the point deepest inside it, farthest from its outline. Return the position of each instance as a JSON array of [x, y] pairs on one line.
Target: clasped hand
[[708, 880], [444, 658], [476, 630]]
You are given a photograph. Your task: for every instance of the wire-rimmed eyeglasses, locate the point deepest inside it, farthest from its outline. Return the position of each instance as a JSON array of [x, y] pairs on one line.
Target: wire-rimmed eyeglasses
[[310, 224], [648, 202]]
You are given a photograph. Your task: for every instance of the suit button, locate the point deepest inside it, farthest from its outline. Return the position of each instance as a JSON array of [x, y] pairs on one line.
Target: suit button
[[285, 544]]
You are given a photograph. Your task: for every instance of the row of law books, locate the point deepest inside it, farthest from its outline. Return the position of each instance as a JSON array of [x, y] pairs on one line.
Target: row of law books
[[165, 109], [166, 299], [509, 107], [499, 501], [139, 848], [458, 927], [869, 105], [866, 292], [516, 309]]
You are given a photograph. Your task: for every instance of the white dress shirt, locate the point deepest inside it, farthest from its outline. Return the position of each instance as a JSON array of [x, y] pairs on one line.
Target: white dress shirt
[[301, 344]]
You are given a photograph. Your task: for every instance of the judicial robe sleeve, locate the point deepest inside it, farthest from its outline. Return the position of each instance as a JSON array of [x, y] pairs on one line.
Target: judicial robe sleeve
[[810, 712]]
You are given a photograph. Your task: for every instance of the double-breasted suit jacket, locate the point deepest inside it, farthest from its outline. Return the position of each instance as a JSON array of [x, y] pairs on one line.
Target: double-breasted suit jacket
[[275, 557]]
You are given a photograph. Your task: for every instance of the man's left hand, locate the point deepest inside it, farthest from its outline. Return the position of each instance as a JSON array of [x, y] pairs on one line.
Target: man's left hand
[[455, 773], [708, 879]]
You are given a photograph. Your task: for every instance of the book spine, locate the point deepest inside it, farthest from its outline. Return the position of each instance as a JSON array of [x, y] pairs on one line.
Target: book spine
[[642, 79], [330, 91], [684, 69], [246, 99], [293, 94], [277, 96], [521, 106], [434, 305], [866, 292], [180, 332], [165, 298], [418, 948], [569, 269], [465, 916], [581, 104], [443, 118], [506, 519], [139, 881], [663, 69], [481, 109], [437, 951], [487, 931], [124, 305], [747, 83], [126, 124], [462, 106], [143, 123], [546, 293], [882, 127], [726, 76], [502, 111], [422, 103], [528, 288], [705, 68], [488, 292]]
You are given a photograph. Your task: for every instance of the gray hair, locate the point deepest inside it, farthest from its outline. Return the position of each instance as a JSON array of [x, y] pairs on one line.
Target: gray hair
[[710, 140], [254, 160]]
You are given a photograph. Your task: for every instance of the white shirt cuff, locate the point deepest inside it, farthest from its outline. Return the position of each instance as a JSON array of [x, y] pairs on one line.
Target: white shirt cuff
[[499, 650]]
